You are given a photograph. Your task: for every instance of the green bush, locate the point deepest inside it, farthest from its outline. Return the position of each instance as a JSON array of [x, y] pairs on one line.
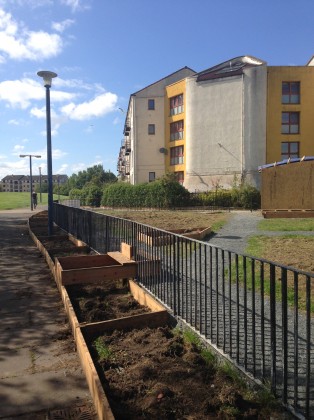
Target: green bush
[[162, 193]]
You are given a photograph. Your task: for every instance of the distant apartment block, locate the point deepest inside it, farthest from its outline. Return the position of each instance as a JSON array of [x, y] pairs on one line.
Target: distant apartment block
[[218, 126], [21, 183]]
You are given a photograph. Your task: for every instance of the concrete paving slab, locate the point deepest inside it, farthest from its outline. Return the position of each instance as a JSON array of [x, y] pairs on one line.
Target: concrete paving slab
[[39, 368]]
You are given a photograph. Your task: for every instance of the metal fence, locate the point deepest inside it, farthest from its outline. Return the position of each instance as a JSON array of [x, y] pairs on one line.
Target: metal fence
[[254, 311]]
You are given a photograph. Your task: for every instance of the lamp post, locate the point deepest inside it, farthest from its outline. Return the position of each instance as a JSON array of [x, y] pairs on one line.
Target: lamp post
[[31, 175], [40, 198], [47, 78]]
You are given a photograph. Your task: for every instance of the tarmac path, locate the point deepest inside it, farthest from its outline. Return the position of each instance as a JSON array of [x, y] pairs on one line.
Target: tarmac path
[[40, 372]]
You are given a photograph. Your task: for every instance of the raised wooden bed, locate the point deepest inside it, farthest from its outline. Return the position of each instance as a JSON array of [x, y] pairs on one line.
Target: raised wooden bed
[[288, 213], [93, 268], [164, 239]]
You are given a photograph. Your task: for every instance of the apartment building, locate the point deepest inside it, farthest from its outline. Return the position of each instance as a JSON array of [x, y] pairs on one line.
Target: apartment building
[[142, 153], [218, 126], [290, 102], [22, 183], [175, 134]]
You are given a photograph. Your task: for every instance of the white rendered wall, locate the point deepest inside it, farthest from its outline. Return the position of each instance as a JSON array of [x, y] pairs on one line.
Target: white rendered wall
[[145, 155], [225, 129]]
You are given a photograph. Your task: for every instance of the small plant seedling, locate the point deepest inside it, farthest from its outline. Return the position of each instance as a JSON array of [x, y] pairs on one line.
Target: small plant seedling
[[103, 351]]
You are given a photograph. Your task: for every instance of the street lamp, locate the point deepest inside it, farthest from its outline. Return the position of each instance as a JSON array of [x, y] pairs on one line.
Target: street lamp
[[31, 175], [47, 77], [40, 199]]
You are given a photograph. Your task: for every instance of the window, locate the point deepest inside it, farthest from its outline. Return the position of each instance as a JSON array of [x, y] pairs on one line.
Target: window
[[289, 149], [290, 93], [176, 155], [180, 176], [151, 104], [151, 176], [290, 122], [176, 130], [151, 128], [176, 104]]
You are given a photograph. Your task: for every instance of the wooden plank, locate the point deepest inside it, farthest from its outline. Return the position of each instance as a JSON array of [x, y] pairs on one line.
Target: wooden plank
[[73, 321], [151, 319], [101, 403], [127, 250], [87, 261], [120, 258], [144, 298], [96, 274]]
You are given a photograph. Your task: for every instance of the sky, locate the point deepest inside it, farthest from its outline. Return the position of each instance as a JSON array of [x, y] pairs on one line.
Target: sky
[[103, 51]]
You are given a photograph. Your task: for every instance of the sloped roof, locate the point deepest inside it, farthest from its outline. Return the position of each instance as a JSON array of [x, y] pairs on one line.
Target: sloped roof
[[164, 78], [232, 67], [12, 177]]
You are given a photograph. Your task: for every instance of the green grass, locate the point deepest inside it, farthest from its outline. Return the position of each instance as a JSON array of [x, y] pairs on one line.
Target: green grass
[[256, 246], [287, 224], [19, 200]]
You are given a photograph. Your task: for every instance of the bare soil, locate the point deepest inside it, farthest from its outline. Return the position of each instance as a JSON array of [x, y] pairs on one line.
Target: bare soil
[[172, 219], [156, 374], [103, 302]]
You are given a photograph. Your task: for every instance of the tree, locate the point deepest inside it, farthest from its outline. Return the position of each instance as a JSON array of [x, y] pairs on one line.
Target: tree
[[95, 174]]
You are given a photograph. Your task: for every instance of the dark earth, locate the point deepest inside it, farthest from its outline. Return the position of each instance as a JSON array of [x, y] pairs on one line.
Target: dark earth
[[157, 373]]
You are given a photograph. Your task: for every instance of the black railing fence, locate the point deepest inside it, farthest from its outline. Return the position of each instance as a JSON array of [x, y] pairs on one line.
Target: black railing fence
[[254, 311]]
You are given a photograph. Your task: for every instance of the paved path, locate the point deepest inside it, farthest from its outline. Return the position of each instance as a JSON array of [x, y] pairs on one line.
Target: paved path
[[242, 225], [40, 371]]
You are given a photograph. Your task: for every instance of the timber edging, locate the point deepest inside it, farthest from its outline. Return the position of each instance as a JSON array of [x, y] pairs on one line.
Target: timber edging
[[120, 266]]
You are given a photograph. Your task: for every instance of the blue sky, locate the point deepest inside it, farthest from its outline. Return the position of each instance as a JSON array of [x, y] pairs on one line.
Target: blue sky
[[103, 51]]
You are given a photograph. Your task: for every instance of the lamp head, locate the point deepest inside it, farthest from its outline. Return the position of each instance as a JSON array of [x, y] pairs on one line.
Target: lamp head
[[37, 156], [47, 76], [22, 155]]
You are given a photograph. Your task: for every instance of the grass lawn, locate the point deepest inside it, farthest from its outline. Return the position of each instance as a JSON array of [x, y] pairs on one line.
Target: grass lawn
[[11, 200], [287, 224]]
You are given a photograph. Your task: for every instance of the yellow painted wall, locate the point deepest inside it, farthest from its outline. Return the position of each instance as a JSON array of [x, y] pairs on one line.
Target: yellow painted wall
[[174, 90], [277, 75]]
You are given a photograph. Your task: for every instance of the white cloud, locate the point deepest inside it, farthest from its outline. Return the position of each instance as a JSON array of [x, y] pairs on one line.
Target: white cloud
[[76, 5], [13, 122], [58, 154], [19, 43], [101, 105], [62, 26], [63, 169], [17, 149], [20, 93]]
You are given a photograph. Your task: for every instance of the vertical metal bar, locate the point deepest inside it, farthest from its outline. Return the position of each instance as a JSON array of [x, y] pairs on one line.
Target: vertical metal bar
[[205, 290], [195, 285], [253, 317], [238, 309], [200, 290], [262, 318], [186, 279], [174, 276], [245, 310], [190, 285], [308, 346], [230, 304], [273, 371], [178, 276], [284, 321], [211, 291], [217, 294], [223, 300], [296, 336]]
